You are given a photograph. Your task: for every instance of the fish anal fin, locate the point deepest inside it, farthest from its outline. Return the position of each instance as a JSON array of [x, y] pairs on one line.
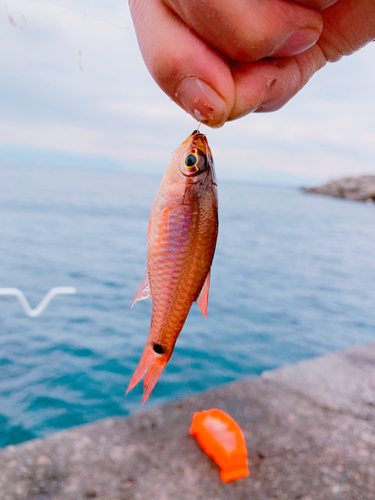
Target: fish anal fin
[[152, 364], [144, 291], [202, 299]]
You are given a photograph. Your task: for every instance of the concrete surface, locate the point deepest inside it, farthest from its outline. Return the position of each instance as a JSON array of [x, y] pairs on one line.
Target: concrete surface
[[309, 430]]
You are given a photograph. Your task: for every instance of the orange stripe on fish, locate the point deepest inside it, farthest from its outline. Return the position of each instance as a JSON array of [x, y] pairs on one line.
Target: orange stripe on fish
[[180, 248]]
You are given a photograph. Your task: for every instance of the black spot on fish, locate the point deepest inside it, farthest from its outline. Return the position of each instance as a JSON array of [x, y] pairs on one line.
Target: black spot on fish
[[158, 349]]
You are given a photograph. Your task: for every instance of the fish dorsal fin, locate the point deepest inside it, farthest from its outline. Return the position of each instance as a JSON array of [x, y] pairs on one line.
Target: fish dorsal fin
[[202, 299], [144, 290]]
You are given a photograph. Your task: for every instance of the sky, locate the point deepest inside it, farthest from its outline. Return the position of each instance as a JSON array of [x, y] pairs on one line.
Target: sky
[[74, 91]]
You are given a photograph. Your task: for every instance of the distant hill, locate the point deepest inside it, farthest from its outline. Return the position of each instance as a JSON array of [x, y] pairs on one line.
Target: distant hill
[[351, 188]]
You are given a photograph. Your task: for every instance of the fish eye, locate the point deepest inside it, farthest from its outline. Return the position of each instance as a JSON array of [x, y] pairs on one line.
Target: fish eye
[[191, 160], [194, 162]]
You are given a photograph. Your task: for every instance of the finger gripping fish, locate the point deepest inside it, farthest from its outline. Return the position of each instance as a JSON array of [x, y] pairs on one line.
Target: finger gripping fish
[[181, 244]]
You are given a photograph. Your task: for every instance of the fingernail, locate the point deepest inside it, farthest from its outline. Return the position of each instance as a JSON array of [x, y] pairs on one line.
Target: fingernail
[[201, 101], [298, 42]]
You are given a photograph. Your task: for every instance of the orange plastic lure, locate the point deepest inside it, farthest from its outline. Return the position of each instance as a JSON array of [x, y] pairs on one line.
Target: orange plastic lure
[[222, 439], [181, 245]]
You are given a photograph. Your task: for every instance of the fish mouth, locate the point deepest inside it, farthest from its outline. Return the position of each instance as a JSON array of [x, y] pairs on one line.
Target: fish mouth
[[197, 140]]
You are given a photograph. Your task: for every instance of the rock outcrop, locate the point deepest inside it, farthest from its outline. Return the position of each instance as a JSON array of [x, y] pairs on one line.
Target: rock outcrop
[[351, 188]]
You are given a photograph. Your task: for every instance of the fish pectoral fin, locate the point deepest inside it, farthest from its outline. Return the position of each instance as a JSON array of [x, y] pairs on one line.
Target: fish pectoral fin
[[202, 299], [144, 290], [152, 364]]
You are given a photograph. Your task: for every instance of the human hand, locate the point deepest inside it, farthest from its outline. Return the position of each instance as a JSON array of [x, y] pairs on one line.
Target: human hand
[[221, 60]]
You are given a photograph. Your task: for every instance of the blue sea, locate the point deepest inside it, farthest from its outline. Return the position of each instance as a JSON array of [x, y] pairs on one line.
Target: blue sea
[[293, 278]]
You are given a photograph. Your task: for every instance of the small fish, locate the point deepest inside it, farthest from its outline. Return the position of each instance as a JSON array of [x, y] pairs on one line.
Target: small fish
[[181, 244]]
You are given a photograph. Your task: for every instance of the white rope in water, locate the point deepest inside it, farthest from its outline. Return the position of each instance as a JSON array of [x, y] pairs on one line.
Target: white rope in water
[[33, 313]]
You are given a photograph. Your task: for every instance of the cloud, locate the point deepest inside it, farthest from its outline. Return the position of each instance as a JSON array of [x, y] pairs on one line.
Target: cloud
[[80, 140], [73, 82]]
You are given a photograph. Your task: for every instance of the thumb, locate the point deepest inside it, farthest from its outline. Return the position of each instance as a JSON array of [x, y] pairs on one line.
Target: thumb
[[193, 74], [186, 68]]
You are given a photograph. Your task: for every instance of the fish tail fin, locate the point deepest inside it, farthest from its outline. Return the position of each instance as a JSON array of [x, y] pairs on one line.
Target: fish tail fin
[[146, 359], [153, 373], [153, 364]]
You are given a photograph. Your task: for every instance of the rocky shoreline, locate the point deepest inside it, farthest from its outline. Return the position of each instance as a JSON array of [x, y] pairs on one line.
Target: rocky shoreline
[[309, 430], [351, 188]]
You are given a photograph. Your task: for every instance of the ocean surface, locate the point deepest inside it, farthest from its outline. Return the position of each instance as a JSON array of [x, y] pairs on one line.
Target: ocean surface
[[293, 278]]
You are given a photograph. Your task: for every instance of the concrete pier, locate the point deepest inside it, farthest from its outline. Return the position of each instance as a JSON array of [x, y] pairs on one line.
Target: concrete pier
[[309, 429]]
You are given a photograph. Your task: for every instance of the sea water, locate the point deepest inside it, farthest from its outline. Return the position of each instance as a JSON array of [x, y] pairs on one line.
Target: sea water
[[293, 277]]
